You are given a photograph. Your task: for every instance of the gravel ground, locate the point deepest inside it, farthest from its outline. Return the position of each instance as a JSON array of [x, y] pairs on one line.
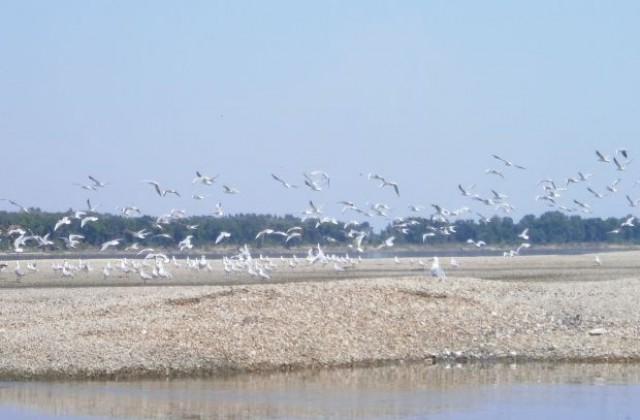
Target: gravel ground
[[529, 308]]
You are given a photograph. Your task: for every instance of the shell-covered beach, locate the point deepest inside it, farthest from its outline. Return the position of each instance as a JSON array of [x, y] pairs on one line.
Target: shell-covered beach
[[553, 308]]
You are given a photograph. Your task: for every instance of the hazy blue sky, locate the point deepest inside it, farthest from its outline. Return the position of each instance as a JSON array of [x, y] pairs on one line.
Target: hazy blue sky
[[421, 92]]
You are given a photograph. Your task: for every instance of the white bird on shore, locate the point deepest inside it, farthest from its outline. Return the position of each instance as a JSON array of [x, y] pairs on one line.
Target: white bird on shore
[[18, 271], [436, 270], [598, 261]]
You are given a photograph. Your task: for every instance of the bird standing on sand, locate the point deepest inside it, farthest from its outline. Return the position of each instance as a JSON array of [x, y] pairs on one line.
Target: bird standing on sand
[[436, 270]]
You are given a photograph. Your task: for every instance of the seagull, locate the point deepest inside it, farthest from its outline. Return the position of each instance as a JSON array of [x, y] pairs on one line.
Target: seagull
[[87, 219], [585, 207], [478, 244], [435, 270], [385, 182], [323, 175], [508, 162], [393, 184], [230, 190], [621, 166], [584, 177], [387, 242], [221, 236], [494, 172], [73, 240], [113, 242], [162, 191], [283, 182], [64, 221], [522, 246], [96, 183], [622, 152], [185, 243], [18, 271], [203, 179], [348, 205], [90, 208], [595, 193], [217, 210], [628, 222], [598, 261], [613, 188], [140, 234], [311, 183], [602, 158], [632, 203], [465, 191], [293, 235], [21, 207], [499, 196], [524, 234], [89, 187]]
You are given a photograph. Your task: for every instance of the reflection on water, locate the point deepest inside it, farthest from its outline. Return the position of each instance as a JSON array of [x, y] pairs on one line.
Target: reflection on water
[[487, 391]]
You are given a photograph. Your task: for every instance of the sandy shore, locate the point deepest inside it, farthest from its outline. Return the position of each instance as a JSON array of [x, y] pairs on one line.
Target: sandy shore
[[530, 307]]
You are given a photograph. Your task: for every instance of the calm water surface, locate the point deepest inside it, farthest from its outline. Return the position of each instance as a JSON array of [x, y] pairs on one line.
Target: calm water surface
[[411, 391]]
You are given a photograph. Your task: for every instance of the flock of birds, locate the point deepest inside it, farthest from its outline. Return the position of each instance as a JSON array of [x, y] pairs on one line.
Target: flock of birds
[[152, 264]]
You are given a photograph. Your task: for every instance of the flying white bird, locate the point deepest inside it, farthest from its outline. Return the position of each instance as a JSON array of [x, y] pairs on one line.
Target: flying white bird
[[64, 221], [21, 207], [230, 190], [621, 166], [283, 182], [387, 243], [204, 179], [107, 244], [524, 234], [96, 183], [222, 236], [494, 172], [162, 192], [508, 162], [87, 219], [603, 158]]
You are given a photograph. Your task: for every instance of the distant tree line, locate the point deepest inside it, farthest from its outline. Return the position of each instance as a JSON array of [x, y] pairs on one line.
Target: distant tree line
[[547, 229]]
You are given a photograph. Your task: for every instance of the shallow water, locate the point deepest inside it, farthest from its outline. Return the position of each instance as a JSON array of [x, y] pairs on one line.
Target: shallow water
[[442, 392]]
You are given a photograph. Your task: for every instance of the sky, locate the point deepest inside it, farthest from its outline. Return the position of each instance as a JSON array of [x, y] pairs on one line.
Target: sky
[[422, 93]]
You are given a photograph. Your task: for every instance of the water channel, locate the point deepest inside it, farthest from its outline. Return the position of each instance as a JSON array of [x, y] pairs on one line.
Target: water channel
[[398, 391]]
